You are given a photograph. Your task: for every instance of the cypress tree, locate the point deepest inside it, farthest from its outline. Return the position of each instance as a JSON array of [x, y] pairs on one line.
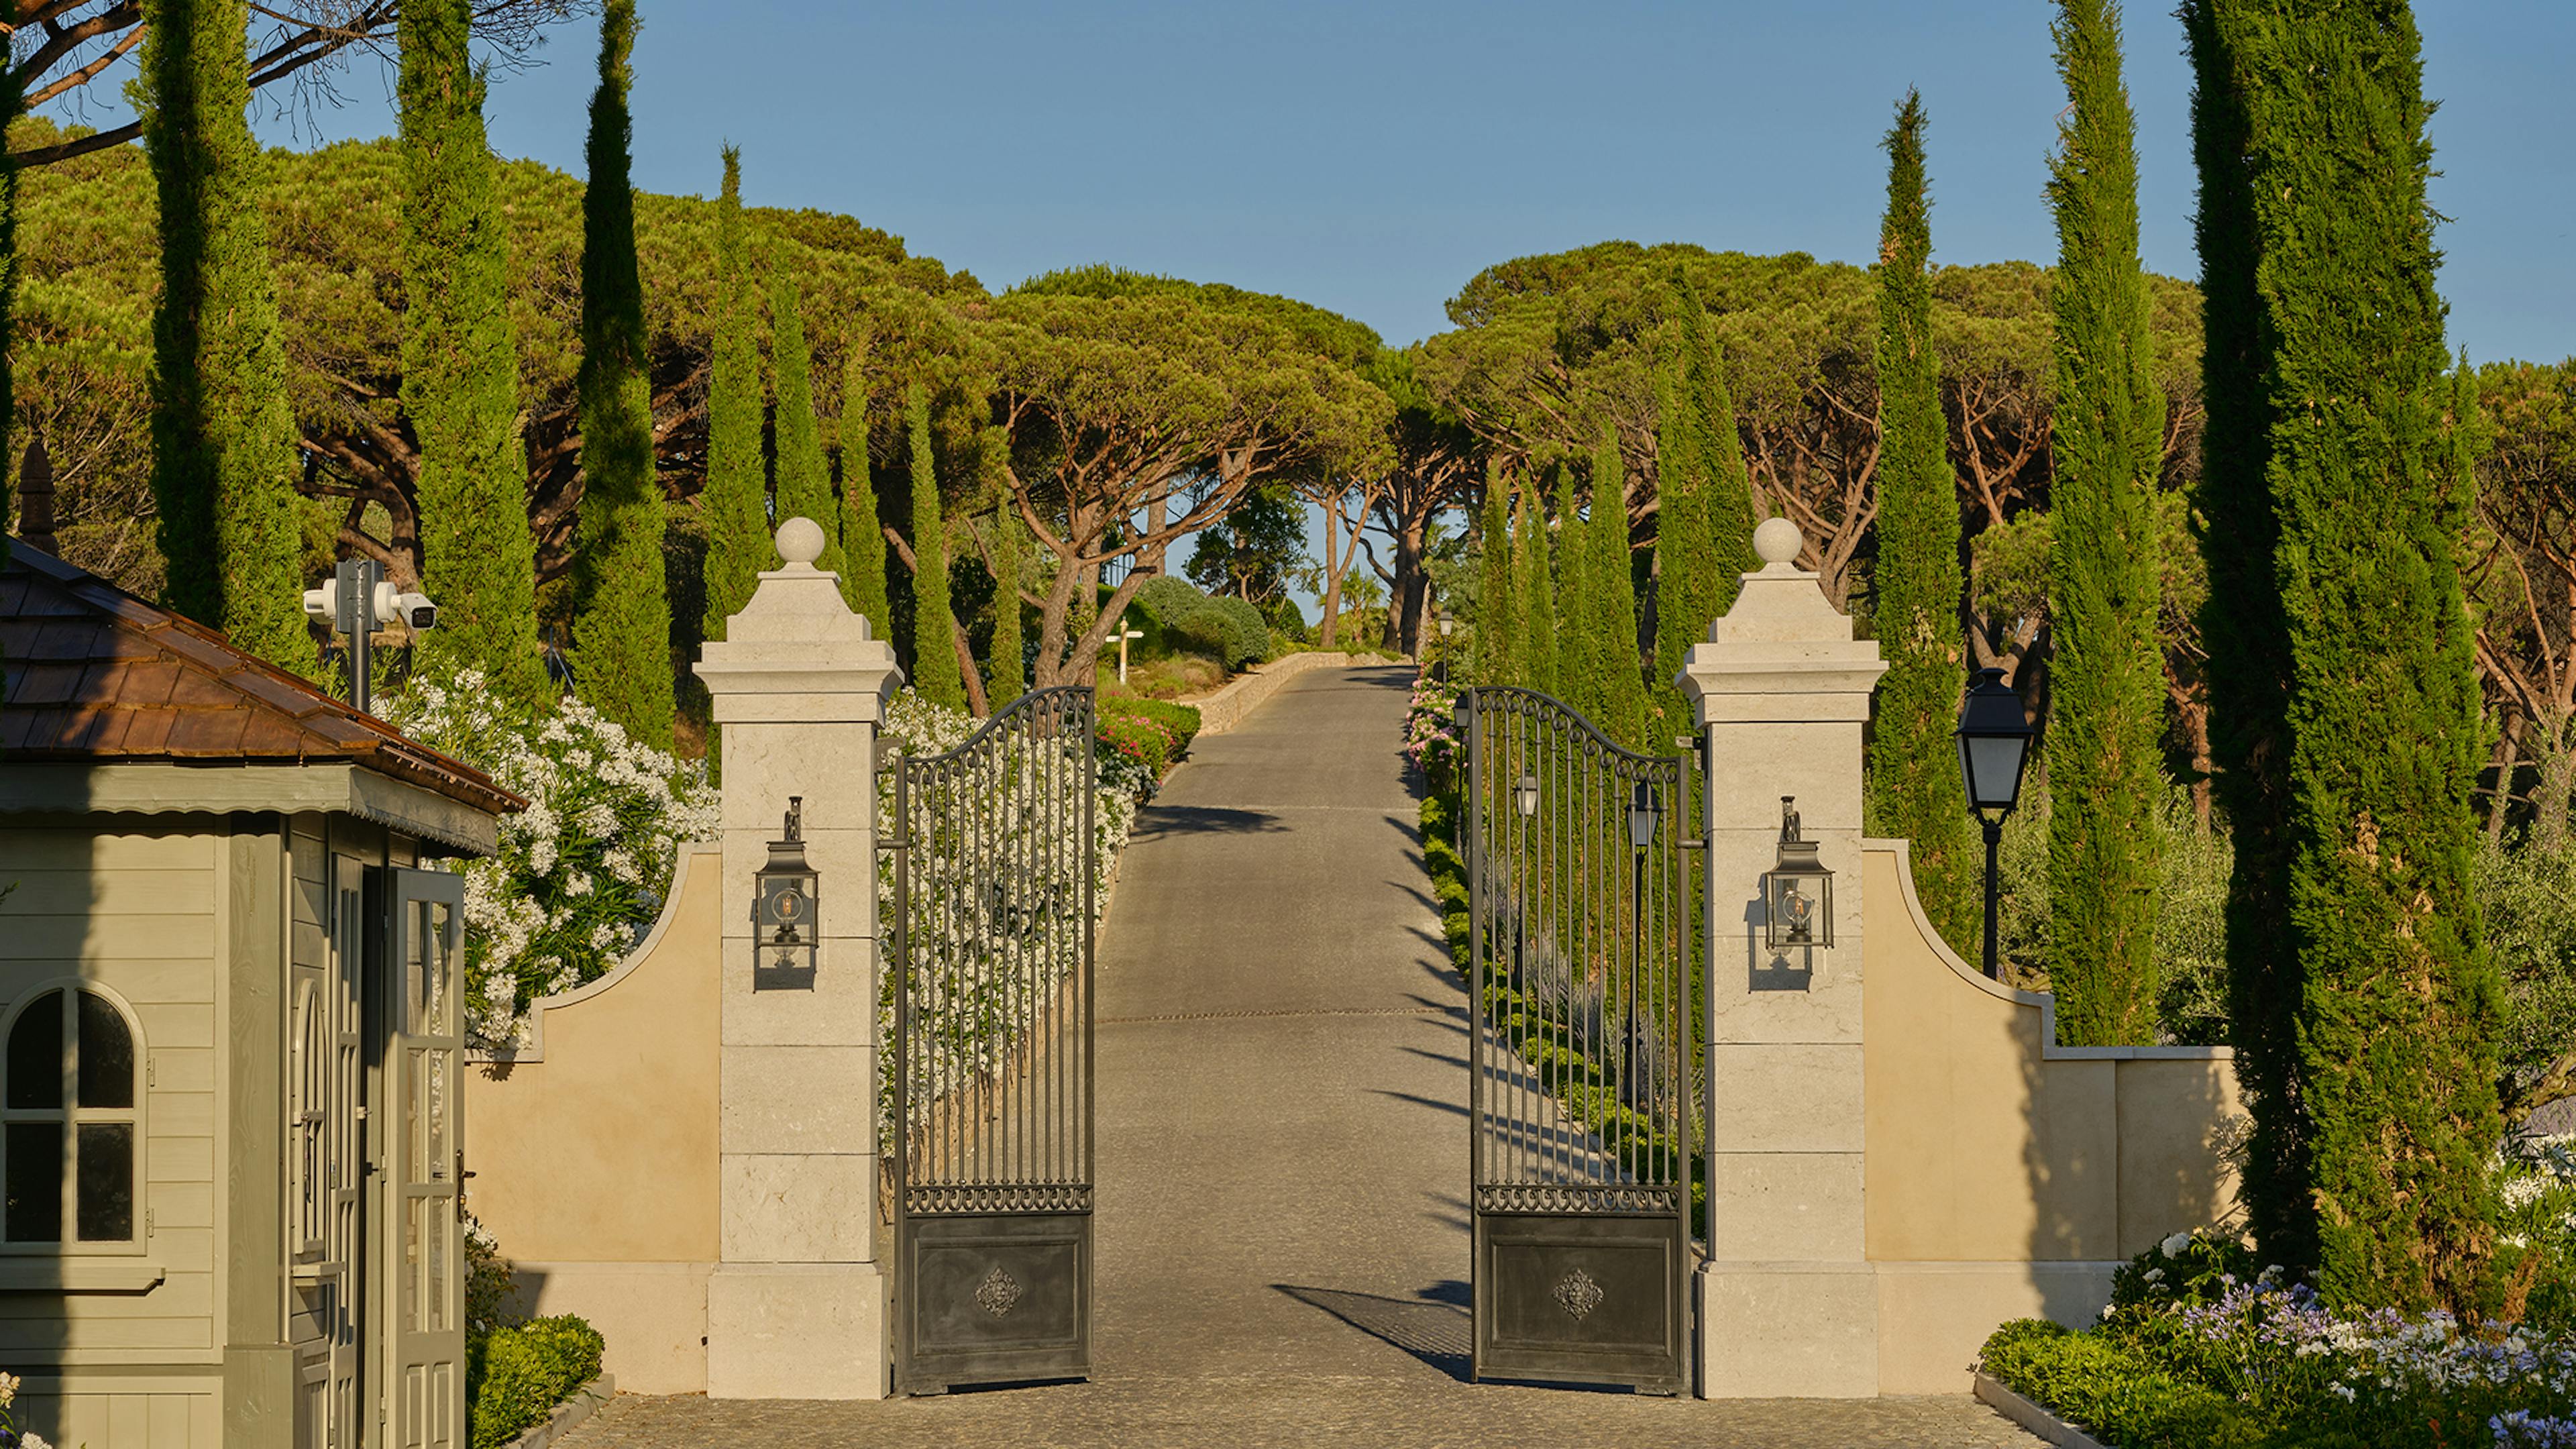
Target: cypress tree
[[2390, 1081], [1495, 592], [1914, 788], [1010, 670], [863, 550], [804, 478], [1536, 654], [934, 648], [622, 625], [1686, 565], [1730, 483], [223, 433], [736, 499], [2247, 637], [2107, 695], [1578, 673], [461, 366], [1609, 579]]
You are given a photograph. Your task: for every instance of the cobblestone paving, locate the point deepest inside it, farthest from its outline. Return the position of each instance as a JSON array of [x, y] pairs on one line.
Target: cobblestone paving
[[1282, 1233]]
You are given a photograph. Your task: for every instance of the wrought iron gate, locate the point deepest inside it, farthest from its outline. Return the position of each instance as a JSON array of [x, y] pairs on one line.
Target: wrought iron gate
[[988, 1123], [1581, 1077]]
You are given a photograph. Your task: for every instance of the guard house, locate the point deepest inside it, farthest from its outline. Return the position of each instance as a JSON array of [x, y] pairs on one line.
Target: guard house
[[230, 1041]]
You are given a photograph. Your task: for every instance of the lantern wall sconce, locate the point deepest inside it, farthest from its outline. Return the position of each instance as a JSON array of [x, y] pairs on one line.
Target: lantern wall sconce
[[785, 927], [1798, 892], [1525, 797]]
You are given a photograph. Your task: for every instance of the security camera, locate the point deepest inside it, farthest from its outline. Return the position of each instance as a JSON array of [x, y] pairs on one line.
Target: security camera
[[413, 611]]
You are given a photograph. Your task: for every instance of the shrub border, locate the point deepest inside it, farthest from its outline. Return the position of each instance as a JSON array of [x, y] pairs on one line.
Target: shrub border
[[584, 1402], [1995, 1394]]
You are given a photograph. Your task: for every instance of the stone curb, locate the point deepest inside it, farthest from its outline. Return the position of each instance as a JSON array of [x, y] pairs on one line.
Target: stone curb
[[1223, 709], [1991, 1391], [584, 1402]]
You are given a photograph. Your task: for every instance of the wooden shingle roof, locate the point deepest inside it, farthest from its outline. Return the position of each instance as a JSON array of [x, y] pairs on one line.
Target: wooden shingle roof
[[97, 675]]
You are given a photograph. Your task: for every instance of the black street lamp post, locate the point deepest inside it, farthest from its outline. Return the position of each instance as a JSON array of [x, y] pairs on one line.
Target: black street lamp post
[[1645, 814], [1994, 749]]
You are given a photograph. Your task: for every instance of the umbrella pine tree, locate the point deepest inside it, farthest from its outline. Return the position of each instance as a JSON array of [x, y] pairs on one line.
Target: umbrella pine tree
[[2107, 696], [1914, 786], [622, 619]]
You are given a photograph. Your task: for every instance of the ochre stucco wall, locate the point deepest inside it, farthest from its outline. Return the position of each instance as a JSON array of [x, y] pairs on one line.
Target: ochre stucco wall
[[594, 1153], [2007, 1176]]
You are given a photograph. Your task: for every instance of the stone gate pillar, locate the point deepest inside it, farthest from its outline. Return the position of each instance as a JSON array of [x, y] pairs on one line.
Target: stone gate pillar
[[798, 1305], [1788, 1304]]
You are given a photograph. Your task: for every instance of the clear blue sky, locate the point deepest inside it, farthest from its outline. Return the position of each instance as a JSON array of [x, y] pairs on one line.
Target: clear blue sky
[[1370, 157]]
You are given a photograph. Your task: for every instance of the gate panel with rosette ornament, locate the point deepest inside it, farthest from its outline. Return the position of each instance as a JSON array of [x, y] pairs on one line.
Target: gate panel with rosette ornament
[[989, 1116], [1580, 1088]]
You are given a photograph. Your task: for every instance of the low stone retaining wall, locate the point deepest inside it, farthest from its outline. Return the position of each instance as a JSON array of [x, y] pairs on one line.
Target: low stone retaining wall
[[1224, 709]]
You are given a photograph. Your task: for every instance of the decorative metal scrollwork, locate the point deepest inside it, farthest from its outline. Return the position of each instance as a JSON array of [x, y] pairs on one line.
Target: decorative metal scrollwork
[[1578, 1295], [999, 1293]]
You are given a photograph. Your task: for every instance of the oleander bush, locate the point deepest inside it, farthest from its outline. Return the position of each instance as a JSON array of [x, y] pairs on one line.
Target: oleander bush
[[515, 1375], [583, 870]]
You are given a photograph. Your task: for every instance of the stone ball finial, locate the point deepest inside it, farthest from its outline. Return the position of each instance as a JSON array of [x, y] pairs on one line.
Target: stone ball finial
[[1777, 541], [800, 541]]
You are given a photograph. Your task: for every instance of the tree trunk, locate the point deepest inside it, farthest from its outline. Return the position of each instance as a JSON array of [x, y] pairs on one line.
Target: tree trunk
[[2554, 753], [1332, 599], [1410, 597], [2500, 801]]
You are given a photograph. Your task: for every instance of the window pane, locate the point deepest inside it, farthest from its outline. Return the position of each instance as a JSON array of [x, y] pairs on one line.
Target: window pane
[[106, 1186], [36, 1054], [34, 1211], [106, 1055]]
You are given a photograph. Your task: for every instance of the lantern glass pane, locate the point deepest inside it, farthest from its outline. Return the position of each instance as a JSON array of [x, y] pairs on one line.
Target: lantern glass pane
[[1993, 767], [1801, 910]]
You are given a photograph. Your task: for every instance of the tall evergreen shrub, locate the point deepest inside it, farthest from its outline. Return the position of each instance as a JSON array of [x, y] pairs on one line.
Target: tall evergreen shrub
[[804, 476], [1609, 581], [622, 624], [1685, 557], [1914, 788], [736, 500], [1010, 669], [934, 647], [460, 383], [1495, 594], [1720, 530], [223, 432], [1536, 656], [2107, 679], [1578, 671], [2394, 1029], [863, 548]]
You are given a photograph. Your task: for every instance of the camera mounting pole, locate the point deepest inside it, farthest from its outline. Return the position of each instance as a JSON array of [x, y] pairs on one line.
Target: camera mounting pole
[[355, 603]]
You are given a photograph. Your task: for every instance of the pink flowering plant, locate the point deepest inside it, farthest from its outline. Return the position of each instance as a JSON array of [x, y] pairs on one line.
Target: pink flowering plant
[[1432, 740]]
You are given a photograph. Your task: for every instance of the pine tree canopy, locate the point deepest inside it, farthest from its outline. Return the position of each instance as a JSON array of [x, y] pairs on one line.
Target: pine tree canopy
[[1914, 786], [2105, 732], [622, 617]]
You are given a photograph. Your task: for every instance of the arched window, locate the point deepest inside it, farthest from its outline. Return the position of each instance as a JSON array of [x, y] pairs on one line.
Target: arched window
[[69, 1150]]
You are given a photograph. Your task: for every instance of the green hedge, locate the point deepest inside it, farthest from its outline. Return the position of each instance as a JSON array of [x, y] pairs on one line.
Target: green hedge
[[515, 1376], [2111, 1389]]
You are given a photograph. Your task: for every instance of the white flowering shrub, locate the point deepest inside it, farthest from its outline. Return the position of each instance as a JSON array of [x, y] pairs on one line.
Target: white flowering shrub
[[995, 918], [584, 869], [11, 1436]]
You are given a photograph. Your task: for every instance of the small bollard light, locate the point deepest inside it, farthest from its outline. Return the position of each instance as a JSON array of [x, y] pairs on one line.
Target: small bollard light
[[785, 896]]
